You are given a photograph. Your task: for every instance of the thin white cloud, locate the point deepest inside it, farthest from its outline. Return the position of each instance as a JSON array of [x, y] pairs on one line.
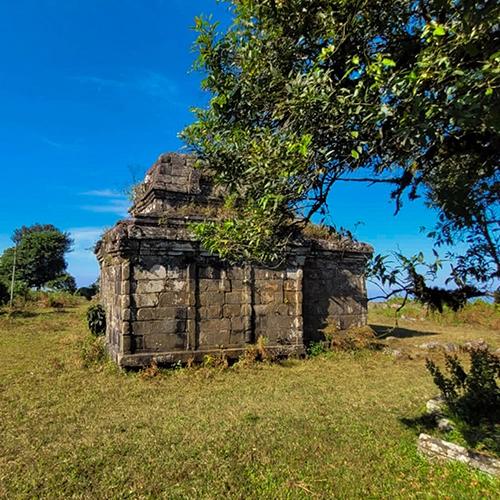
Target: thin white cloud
[[60, 145], [157, 85], [107, 201], [150, 83], [118, 207], [103, 193], [102, 82], [84, 235], [55, 144]]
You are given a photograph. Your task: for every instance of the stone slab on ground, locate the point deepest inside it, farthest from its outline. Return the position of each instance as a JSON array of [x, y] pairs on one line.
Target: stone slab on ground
[[444, 450]]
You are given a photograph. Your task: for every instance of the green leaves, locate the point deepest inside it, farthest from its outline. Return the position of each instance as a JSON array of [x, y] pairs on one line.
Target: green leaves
[[39, 255], [439, 31], [295, 86], [388, 62]]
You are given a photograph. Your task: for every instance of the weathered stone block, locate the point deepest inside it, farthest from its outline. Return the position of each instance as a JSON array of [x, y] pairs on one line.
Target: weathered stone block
[[126, 343], [215, 325], [175, 285], [238, 285], [232, 310], [168, 299], [209, 285], [155, 272], [126, 271], [238, 324], [268, 297], [146, 300], [148, 314], [237, 338], [154, 327], [209, 273], [233, 298], [125, 328], [211, 298], [164, 342], [235, 273], [211, 312], [260, 309], [225, 285], [125, 288], [149, 286]]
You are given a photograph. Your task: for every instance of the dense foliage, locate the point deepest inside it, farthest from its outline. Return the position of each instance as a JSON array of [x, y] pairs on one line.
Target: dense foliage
[[4, 293], [89, 291], [309, 92], [474, 396], [39, 255], [63, 283], [96, 319]]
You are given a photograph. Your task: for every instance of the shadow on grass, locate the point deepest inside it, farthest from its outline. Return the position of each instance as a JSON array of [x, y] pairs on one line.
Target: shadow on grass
[[422, 423], [383, 331], [483, 437], [21, 314]]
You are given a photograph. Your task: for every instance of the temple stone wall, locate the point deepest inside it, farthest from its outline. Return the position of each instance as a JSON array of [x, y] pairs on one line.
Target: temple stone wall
[[168, 300], [334, 293]]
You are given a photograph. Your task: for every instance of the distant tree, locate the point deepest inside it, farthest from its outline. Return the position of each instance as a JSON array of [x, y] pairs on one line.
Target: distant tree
[[63, 283], [307, 93], [89, 291], [40, 251]]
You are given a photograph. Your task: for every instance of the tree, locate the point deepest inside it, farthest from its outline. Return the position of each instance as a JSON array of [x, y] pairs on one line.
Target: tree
[[307, 93], [63, 283], [89, 291], [40, 255]]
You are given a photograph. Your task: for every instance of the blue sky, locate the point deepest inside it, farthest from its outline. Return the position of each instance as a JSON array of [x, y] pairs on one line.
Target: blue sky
[[91, 92]]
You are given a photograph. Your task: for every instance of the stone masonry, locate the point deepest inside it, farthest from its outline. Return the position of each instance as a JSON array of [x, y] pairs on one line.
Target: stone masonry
[[169, 300]]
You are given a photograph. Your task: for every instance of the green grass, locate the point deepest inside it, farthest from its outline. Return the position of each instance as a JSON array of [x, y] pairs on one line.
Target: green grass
[[328, 427]]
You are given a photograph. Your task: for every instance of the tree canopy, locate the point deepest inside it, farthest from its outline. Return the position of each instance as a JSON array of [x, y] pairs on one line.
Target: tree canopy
[[307, 93], [39, 254]]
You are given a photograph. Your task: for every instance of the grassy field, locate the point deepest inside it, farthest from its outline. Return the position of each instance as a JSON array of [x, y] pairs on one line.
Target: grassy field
[[334, 426]]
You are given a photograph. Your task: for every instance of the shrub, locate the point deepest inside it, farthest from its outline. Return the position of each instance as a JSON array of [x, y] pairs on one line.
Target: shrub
[[316, 349], [96, 319], [217, 360], [93, 351], [257, 352], [474, 397], [150, 371]]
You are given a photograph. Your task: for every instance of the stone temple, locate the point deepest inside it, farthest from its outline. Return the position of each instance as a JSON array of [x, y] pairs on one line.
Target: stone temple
[[168, 300]]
